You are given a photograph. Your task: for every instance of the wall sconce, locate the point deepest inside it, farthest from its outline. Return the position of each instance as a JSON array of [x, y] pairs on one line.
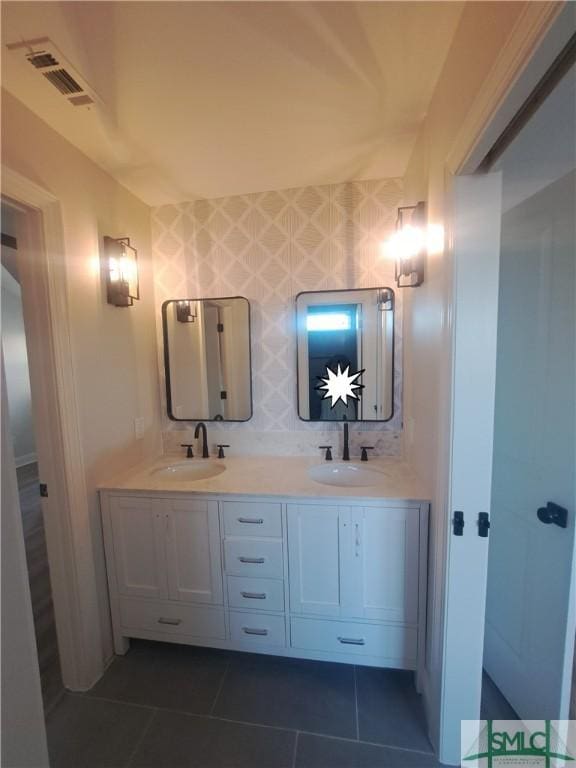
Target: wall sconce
[[186, 311], [122, 285], [409, 245]]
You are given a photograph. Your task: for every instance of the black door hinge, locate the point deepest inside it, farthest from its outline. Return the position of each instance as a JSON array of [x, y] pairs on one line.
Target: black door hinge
[[458, 523], [44, 490], [220, 327], [483, 524], [223, 395]]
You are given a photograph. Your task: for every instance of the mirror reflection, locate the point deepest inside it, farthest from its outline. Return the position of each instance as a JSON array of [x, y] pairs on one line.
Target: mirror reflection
[[353, 329], [207, 359]]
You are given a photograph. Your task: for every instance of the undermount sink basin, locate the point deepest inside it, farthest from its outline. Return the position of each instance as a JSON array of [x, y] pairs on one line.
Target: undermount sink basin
[[345, 474], [189, 470]]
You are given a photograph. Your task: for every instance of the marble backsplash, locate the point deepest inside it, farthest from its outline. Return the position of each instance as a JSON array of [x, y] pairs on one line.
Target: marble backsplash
[[290, 443]]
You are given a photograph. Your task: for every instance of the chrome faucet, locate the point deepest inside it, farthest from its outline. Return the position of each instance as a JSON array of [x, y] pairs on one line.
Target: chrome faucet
[[346, 451], [202, 426]]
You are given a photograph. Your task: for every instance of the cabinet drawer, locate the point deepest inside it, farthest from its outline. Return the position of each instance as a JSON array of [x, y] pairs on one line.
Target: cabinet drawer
[[244, 518], [256, 594], [157, 616], [254, 557], [391, 642], [257, 629]]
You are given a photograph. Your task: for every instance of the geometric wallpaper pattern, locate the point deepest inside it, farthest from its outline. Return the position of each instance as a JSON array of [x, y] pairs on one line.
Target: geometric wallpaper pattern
[[268, 247]]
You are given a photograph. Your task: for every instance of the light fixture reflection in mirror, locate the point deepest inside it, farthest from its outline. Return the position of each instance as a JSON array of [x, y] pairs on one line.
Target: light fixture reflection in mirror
[[186, 311], [352, 328]]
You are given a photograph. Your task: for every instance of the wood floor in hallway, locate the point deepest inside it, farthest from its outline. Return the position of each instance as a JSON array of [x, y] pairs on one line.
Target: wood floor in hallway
[[40, 587]]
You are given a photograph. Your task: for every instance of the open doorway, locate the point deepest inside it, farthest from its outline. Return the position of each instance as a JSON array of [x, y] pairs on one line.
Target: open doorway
[[529, 627], [22, 430]]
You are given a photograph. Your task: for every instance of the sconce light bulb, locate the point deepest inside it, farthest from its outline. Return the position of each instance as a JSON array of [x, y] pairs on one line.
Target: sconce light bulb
[[410, 242], [404, 244], [114, 270]]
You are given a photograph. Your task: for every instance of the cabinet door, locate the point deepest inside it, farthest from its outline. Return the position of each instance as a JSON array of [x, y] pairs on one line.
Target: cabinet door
[[193, 548], [315, 533], [380, 572], [138, 530]]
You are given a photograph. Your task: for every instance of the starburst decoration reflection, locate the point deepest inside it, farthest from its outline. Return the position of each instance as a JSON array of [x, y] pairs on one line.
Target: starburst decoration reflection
[[340, 385]]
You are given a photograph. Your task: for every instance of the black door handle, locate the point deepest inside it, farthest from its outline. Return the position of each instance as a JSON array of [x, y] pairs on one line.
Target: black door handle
[[552, 513]]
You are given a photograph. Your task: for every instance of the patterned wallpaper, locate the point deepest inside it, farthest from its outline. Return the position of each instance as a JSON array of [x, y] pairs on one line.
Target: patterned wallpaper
[[269, 247]]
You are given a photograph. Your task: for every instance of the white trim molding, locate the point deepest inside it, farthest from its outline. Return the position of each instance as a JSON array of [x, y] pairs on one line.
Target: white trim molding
[[59, 445]]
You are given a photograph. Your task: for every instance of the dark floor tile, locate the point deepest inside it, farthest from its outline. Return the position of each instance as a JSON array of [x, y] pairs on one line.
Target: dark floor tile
[[324, 752], [290, 693], [185, 741], [389, 709], [165, 675], [88, 733], [494, 705]]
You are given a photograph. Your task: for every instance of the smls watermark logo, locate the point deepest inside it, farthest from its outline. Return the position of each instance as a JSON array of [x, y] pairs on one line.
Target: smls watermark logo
[[530, 743]]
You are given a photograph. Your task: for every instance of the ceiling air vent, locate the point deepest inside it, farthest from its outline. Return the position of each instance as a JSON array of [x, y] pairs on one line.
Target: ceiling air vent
[[63, 81], [45, 57]]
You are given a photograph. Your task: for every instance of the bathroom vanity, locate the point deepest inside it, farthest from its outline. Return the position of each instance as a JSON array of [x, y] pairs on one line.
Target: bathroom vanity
[[261, 557]]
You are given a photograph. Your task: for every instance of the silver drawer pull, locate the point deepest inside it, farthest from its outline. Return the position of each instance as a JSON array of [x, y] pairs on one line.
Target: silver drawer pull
[[254, 595], [257, 560], [253, 520], [352, 640], [251, 631], [172, 622]]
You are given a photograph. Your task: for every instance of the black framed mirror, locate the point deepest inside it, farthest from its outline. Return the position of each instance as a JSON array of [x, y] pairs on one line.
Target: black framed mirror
[[352, 328], [207, 359]]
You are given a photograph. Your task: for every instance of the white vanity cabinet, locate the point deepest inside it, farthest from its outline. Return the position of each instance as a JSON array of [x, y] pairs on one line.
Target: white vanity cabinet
[[138, 547], [311, 578], [160, 554], [354, 562]]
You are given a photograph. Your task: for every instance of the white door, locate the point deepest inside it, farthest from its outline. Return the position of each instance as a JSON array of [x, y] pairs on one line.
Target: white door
[[380, 568], [315, 540], [193, 551], [476, 250], [139, 528], [528, 602]]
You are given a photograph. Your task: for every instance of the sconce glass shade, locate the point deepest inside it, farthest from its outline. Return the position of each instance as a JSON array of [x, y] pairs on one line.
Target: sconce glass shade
[[122, 285], [409, 244]]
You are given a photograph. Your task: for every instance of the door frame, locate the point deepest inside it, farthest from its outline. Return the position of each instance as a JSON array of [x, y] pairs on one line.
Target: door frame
[[57, 427], [539, 36]]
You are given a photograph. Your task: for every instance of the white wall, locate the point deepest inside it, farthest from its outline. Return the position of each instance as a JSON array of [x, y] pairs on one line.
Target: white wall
[[16, 366], [114, 350], [482, 33]]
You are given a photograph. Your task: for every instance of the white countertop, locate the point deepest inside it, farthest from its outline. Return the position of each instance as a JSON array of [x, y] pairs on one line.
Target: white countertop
[[282, 476]]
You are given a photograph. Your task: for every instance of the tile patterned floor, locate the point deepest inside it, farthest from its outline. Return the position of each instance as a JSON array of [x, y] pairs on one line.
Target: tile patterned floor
[[170, 706]]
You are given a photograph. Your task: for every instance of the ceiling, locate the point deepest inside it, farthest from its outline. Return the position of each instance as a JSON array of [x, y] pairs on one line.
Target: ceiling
[[208, 99]]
